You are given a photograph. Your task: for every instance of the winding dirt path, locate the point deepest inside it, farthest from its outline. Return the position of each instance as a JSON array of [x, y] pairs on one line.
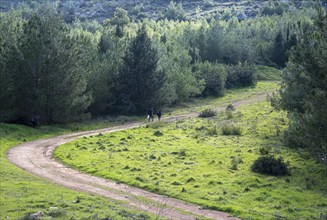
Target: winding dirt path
[[36, 157]]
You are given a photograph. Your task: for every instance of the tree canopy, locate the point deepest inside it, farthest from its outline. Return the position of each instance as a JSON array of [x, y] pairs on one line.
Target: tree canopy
[[304, 89]]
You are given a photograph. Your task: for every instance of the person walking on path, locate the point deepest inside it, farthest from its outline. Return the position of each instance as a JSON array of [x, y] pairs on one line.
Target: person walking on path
[[159, 114], [150, 114]]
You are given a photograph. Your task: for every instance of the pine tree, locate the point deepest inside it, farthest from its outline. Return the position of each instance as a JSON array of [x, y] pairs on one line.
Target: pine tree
[[139, 82], [53, 69], [120, 20], [11, 30], [304, 90], [103, 79]]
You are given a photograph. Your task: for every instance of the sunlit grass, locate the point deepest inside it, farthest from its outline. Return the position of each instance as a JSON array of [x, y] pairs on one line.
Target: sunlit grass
[[189, 161], [22, 193], [230, 96]]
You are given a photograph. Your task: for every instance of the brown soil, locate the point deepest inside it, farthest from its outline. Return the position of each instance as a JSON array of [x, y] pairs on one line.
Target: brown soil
[[36, 157]]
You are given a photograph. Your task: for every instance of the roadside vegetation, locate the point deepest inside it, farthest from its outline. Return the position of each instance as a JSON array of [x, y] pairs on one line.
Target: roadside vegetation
[[194, 160], [23, 194], [127, 67], [266, 160]]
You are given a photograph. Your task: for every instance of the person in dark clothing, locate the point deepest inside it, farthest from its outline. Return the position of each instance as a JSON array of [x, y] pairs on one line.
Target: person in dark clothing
[[159, 114], [35, 120], [150, 114]]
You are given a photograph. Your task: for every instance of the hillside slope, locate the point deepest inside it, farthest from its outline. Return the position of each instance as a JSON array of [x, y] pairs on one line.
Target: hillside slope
[[138, 9]]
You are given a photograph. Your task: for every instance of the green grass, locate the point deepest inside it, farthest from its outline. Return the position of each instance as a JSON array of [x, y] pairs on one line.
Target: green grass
[[231, 95], [22, 193], [192, 160], [268, 73]]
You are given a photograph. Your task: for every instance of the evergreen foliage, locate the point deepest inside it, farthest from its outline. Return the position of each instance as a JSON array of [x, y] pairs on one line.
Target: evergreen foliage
[[103, 80], [50, 78], [240, 75], [175, 11], [270, 165], [120, 20], [214, 76], [139, 81], [304, 89], [48, 65], [281, 48], [207, 113], [11, 28]]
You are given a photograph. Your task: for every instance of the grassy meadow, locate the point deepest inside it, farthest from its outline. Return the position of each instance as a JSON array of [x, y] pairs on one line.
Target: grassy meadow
[[194, 161], [190, 160], [22, 193]]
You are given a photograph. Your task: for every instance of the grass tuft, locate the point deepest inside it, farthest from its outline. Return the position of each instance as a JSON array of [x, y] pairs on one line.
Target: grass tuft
[[207, 113], [231, 129]]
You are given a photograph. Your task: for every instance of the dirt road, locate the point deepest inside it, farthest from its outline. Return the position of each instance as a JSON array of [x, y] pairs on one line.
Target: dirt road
[[36, 157]]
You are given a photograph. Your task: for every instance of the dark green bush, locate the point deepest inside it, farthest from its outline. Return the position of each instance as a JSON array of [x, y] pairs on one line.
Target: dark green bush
[[206, 113], [158, 133], [270, 165], [214, 76], [264, 150], [240, 75], [230, 107]]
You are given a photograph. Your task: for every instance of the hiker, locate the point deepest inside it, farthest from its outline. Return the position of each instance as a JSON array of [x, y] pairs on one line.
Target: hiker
[[150, 114], [159, 114], [35, 120]]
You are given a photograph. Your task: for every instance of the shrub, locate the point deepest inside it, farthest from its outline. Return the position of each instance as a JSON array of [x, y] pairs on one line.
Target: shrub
[[229, 111], [270, 165], [182, 152], [212, 131], [229, 114], [206, 113], [214, 76], [56, 212], [235, 162], [230, 107], [230, 129], [175, 12], [158, 133], [264, 150], [240, 75]]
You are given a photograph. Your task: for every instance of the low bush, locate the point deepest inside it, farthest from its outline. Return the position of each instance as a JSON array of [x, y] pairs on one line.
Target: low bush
[[264, 150], [214, 77], [182, 152], [157, 133], [270, 165], [240, 75], [212, 131], [230, 107], [56, 212], [207, 113], [231, 129], [229, 115]]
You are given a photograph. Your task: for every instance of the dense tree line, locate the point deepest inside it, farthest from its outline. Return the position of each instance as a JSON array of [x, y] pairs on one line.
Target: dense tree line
[[61, 72], [304, 89], [48, 70]]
